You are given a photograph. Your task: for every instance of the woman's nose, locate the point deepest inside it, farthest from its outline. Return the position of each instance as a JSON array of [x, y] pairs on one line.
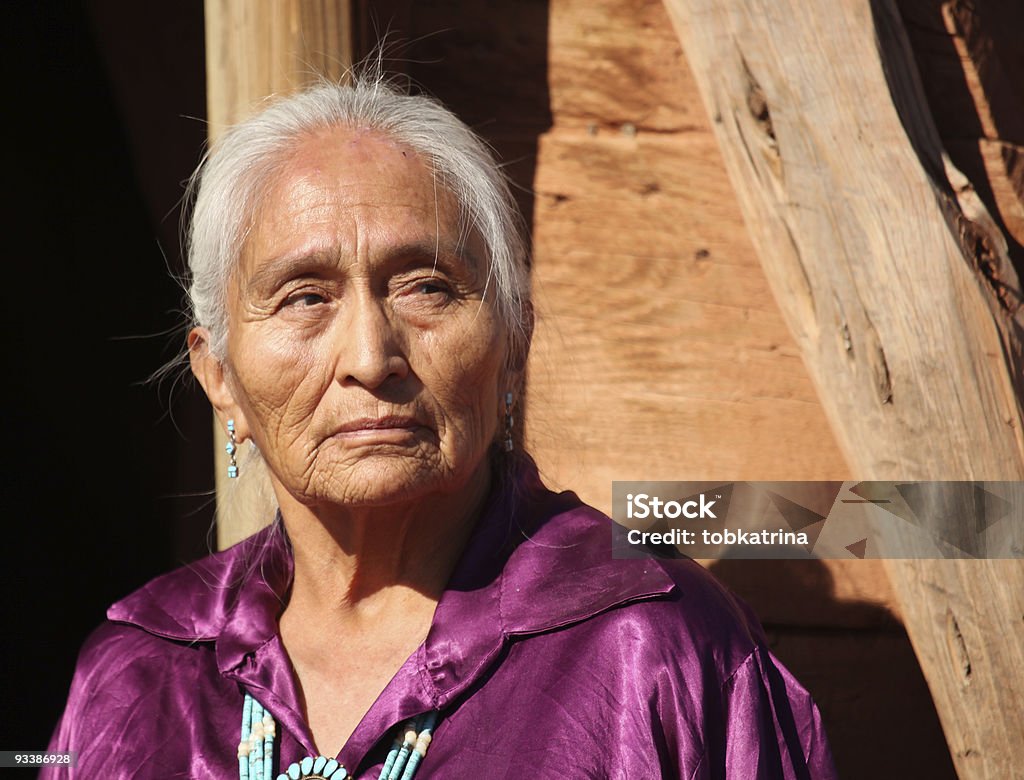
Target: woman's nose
[[370, 349]]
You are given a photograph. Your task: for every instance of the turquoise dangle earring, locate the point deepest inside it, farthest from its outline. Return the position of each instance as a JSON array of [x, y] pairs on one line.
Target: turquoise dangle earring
[[232, 447], [508, 444]]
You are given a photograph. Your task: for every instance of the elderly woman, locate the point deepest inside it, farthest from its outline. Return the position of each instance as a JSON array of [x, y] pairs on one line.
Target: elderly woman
[[421, 605]]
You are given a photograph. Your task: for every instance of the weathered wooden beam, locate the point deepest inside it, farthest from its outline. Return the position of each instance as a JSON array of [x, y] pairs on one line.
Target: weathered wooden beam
[[255, 49], [258, 48], [899, 291]]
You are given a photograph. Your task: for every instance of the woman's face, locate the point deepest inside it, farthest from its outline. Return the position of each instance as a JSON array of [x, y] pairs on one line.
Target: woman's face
[[363, 357]]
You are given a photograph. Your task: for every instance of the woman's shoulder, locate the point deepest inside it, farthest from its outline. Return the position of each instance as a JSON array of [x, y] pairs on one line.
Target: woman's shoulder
[[171, 619], [133, 690], [678, 641], [112, 646], [159, 655], [117, 664]]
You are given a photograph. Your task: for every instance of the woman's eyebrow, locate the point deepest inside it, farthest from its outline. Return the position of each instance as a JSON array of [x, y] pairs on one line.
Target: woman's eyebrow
[[430, 251], [273, 272]]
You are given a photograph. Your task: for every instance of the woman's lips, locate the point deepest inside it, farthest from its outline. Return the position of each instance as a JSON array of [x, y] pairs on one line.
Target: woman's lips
[[391, 428]]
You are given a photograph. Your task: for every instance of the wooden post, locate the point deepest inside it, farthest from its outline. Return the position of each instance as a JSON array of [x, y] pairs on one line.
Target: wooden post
[[255, 49], [898, 288], [258, 48]]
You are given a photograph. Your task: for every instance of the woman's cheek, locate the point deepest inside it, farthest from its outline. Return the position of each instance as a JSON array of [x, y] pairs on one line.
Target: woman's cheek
[[285, 379]]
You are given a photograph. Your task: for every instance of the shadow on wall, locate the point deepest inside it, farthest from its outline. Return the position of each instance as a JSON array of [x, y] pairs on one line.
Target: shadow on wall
[[857, 662], [487, 62], [972, 71]]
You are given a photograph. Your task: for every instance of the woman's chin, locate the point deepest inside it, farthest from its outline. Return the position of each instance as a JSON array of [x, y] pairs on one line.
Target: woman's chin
[[382, 479]]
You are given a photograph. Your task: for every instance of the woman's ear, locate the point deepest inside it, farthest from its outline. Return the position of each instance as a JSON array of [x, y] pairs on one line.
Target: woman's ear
[[516, 364], [209, 370]]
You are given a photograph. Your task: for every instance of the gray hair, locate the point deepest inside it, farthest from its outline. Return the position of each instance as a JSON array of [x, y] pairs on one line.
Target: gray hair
[[242, 164]]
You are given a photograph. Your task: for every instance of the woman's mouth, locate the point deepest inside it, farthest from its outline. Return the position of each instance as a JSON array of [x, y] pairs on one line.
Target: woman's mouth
[[389, 428]]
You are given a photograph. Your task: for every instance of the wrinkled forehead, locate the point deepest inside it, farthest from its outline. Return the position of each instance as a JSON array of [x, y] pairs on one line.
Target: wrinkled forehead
[[341, 186]]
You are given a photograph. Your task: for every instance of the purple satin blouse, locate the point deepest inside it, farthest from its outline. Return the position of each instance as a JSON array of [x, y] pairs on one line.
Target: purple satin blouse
[[546, 659]]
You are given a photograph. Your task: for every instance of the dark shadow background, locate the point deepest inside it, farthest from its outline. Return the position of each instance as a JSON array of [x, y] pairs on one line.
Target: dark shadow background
[[856, 661], [102, 488]]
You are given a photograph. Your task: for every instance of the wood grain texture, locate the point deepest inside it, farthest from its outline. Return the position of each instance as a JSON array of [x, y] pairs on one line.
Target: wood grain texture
[[255, 50], [258, 49], [966, 622], [615, 63], [660, 353], [904, 326]]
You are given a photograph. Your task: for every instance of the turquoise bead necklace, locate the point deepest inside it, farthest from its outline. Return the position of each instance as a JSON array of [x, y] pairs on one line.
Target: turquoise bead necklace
[[256, 750]]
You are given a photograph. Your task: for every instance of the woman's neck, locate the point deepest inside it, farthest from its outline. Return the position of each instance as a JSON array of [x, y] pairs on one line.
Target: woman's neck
[[366, 584], [359, 562]]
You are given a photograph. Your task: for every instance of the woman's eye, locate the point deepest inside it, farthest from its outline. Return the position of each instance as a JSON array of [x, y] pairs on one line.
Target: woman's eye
[[305, 299], [431, 288]]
